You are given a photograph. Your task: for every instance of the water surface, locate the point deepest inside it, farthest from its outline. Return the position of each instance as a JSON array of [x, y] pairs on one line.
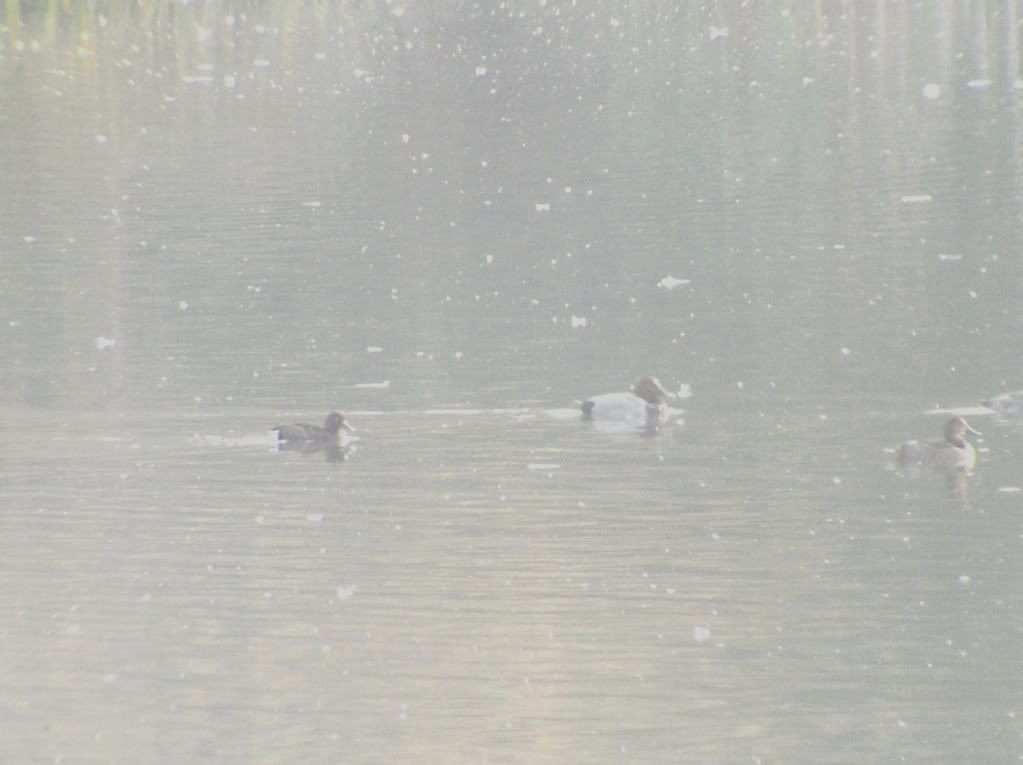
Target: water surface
[[452, 224]]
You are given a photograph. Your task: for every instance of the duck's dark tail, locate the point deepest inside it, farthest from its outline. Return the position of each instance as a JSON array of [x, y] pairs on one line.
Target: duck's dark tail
[[587, 407]]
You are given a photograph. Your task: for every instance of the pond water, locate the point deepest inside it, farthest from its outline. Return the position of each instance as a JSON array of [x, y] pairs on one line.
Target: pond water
[[452, 224]]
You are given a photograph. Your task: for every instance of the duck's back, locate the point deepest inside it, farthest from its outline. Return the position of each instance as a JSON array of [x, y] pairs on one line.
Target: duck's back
[[300, 431], [626, 409], [939, 454]]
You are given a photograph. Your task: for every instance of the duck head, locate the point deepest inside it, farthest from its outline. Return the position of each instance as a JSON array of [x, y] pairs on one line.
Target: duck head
[[650, 390], [956, 430], [335, 422]]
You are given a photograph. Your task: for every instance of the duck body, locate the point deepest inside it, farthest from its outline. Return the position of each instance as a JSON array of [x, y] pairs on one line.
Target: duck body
[[625, 408], [642, 408], [303, 432], [1007, 406], [953, 453]]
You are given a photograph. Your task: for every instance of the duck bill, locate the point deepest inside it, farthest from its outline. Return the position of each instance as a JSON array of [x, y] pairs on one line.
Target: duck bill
[[348, 427], [972, 430]]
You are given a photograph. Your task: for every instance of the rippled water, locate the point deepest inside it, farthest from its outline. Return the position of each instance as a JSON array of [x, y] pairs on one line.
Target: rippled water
[[222, 218]]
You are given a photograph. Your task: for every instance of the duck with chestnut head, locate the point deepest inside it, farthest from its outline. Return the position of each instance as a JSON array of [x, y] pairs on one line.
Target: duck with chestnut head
[[952, 453], [306, 438], [641, 408]]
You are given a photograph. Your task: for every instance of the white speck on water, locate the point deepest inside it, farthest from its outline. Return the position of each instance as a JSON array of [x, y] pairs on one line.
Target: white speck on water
[[182, 305], [314, 517], [950, 257], [398, 11], [458, 354], [845, 351], [979, 84], [808, 80], [489, 259], [543, 466], [701, 634], [261, 63], [716, 32], [543, 206], [916, 199], [480, 71], [105, 342], [29, 239], [578, 321], [932, 90], [101, 139], [345, 592], [405, 138], [1009, 489], [374, 349], [320, 56], [964, 579], [311, 203], [740, 384], [229, 80], [670, 282], [382, 385], [836, 480]]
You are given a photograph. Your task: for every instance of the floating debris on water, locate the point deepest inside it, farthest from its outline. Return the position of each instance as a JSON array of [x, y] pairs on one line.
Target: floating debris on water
[[670, 282], [916, 199], [345, 592], [961, 411]]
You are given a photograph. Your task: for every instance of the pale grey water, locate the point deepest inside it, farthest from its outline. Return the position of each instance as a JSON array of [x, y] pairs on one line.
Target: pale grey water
[[246, 200]]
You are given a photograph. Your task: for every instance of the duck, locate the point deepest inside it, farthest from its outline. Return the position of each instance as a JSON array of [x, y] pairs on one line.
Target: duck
[[642, 407], [953, 453], [304, 433], [1007, 406]]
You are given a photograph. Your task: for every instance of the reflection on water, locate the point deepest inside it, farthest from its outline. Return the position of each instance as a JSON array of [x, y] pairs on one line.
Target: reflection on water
[[454, 224]]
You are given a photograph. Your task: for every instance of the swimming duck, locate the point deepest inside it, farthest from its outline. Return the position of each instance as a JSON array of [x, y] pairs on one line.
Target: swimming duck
[[951, 454], [301, 432], [1007, 406], [641, 408]]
